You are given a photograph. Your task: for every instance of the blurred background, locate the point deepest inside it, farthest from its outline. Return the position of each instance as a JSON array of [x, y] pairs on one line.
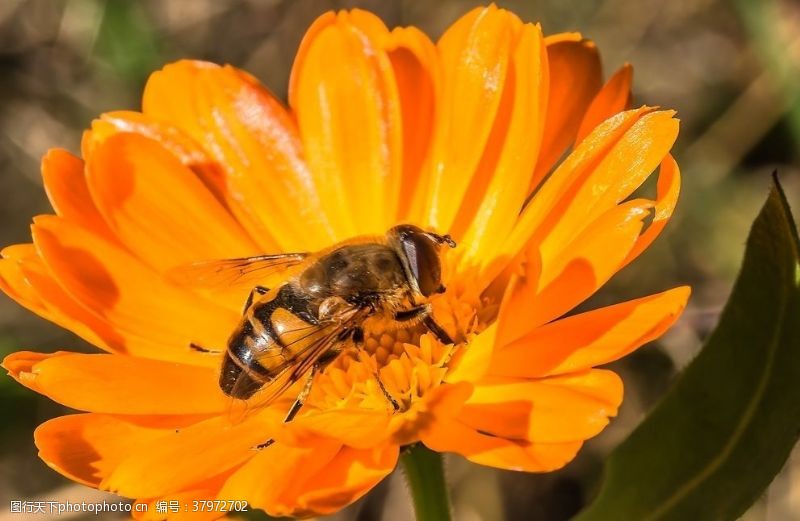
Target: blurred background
[[730, 67]]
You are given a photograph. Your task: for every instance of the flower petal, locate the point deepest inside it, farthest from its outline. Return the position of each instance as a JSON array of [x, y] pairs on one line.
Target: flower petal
[[305, 481], [351, 474], [347, 106], [491, 208], [170, 463], [255, 142], [472, 359], [118, 384], [575, 78], [669, 185], [483, 449], [61, 309], [438, 404], [614, 97], [183, 147], [475, 53], [16, 285], [602, 162], [25, 272], [560, 409], [65, 184], [579, 269], [417, 71], [271, 479], [87, 447], [588, 262], [363, 428], [355, 427], [616, 175], [158, 207], [112, 283], [588, 339]]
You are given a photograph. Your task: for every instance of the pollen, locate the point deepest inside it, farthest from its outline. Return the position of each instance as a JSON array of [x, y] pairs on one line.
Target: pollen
[[396, 363], [385, 342]]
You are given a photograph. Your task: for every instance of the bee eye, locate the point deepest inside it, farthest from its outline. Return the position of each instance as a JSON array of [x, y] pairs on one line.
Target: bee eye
[[422, 255]]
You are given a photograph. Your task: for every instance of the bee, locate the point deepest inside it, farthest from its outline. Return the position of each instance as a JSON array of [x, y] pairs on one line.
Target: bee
[[298, 327]]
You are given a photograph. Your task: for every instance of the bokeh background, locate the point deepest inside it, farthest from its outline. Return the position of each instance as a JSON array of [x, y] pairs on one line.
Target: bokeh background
[[730, 68]]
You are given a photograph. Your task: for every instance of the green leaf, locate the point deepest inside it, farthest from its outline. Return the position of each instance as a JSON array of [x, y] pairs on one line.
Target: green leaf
[[721, 434]]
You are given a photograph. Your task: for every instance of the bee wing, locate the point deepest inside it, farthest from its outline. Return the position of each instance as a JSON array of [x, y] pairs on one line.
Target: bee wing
[[307, 345], [242, 272]]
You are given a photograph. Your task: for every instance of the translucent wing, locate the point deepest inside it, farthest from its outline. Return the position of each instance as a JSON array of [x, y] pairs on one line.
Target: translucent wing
[[305, 346], [245, 272]]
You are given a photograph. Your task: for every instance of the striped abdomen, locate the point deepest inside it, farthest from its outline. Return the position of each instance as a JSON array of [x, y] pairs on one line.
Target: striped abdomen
[[269, 338]]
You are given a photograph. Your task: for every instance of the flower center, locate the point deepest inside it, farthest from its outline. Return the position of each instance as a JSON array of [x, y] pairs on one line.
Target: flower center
[[401, 362]]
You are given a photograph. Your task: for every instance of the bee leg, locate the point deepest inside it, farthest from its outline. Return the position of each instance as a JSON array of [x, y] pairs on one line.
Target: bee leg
[[395, 403], [440, 334], [201, 349], [423, 313], [301, 398], [357, 334], [298, 403], [258, 289]]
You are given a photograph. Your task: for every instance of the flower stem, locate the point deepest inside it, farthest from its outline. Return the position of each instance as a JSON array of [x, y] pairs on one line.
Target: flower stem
[[425, 475]]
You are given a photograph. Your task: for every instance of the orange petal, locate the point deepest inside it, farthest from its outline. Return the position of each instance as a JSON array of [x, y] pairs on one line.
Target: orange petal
[[16, 285], [668, 188], [614, 97], [49, 300], [65, 184], [519, 298], [351, 474], [475, 52], [588, 339], [472, 359], [24, 278], [355, 427], [417, 71], [250, 135], [616, 175], [171, 463], [442, 402], [112, 283], [65, 311], [184, 148], [87, 447], [552, 410], [288, 481], [588, 262], [158, 207], [578, 270], [639, 134], [347, 106], [118, 384], [575, 78], [493, 206], [272, 478], [178, 143], [367, 428], [454, 436]]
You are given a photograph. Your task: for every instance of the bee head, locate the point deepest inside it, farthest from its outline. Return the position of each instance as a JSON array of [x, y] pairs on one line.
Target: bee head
[[419, 253]]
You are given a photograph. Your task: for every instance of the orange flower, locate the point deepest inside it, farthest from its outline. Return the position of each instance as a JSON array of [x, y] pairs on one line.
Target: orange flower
[[383, 127]]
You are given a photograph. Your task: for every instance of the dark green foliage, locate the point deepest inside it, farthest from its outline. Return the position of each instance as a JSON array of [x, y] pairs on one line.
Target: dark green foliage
[[725, 429]]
